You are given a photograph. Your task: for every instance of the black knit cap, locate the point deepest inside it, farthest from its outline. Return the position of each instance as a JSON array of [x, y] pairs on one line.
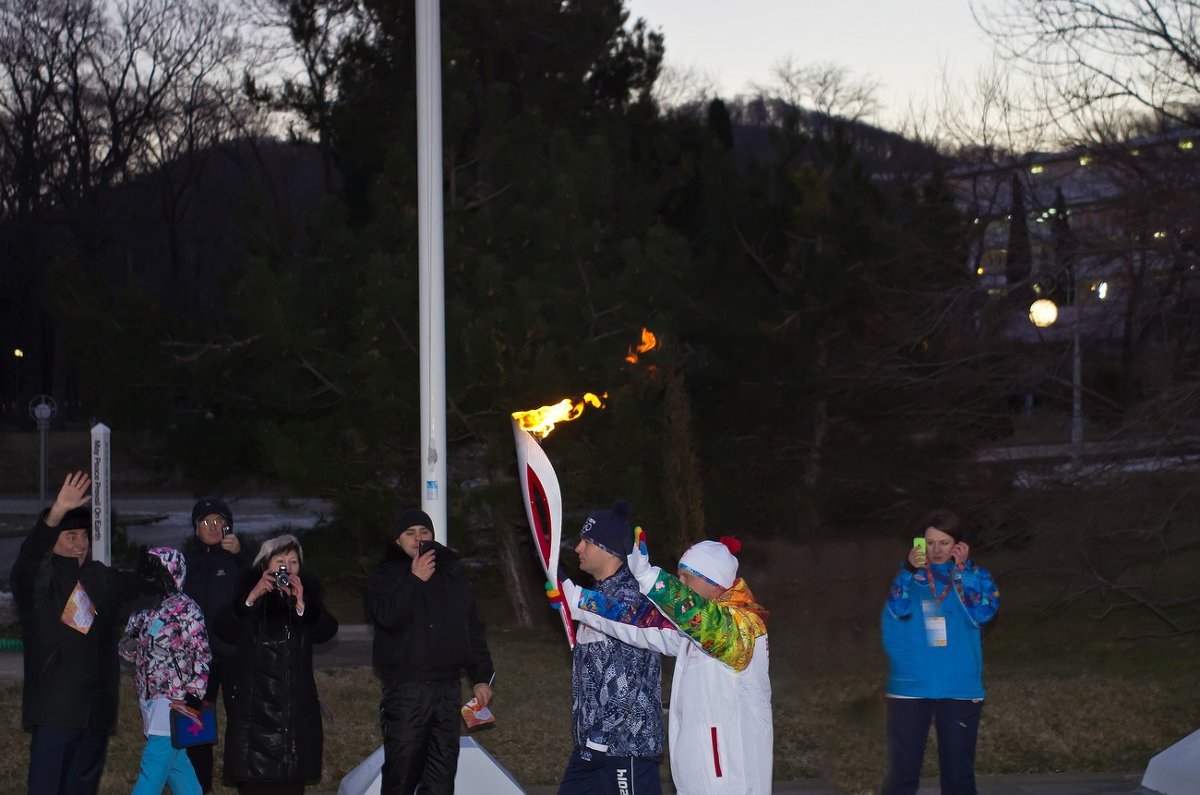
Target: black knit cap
[[610, 530], [410, 517], [76, 519], [210, 505]]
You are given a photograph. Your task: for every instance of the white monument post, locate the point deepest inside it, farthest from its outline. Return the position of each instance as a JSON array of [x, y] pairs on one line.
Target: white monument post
[[101, 508]]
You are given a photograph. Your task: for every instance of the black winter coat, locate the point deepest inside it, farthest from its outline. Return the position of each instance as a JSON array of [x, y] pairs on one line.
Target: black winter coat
[[71, 679], [425, 631], [273, 732], [212, 577]]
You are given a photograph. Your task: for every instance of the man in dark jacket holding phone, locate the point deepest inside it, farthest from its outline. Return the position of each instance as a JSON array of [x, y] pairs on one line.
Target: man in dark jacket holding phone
[[68, 606], [428, 631], [216, 560]]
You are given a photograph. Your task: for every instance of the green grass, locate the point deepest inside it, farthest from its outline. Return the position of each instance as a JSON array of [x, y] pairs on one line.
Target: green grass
[[1066, 693]]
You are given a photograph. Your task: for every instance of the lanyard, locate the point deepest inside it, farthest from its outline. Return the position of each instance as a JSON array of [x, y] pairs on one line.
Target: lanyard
[[933, 589]]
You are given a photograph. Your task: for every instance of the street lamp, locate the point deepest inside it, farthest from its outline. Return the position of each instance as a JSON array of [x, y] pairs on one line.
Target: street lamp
[[1043, 313]]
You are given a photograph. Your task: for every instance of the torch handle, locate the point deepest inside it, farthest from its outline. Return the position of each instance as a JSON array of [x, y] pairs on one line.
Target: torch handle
[[567, 619]]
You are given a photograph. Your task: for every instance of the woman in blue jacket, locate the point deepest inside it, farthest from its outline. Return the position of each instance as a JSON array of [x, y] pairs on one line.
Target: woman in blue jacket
[[932, 625]]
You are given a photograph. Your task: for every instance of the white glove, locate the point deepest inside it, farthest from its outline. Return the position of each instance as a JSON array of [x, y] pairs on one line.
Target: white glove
[[572, 593], [639, 562]]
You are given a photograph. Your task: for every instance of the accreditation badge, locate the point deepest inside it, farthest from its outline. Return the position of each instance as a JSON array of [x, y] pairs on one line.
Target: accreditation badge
[[79, 613], [935, 624]]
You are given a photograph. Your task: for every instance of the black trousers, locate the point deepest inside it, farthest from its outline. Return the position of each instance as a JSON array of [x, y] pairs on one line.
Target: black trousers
[[420, 737], [201, 756], [66, 761], [957, 725]]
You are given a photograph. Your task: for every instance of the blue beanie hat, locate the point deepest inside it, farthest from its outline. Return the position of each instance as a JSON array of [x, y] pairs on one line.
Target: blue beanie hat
[[610, 530]]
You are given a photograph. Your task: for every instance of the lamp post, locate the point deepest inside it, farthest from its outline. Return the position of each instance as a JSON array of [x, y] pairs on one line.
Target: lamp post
[[42, 409], [1043, 313], [18, 357]]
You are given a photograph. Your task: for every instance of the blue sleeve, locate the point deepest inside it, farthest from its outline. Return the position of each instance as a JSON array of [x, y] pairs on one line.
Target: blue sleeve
[[642, 614], [899, 602], [979, 595]]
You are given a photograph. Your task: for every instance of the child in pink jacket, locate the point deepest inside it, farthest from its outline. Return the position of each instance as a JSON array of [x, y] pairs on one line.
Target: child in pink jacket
[[168, 646]]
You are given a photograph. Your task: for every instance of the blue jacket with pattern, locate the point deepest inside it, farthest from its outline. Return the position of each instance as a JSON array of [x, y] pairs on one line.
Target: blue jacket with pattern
[[932, 634], [616, 689]]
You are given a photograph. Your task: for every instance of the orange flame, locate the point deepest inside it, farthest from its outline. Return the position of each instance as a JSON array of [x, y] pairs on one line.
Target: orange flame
[[649, 341], [540, 422]]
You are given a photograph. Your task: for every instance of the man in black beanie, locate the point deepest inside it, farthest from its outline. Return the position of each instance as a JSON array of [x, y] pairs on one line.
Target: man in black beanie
[[68, 607], [216, 561], [428, 631]]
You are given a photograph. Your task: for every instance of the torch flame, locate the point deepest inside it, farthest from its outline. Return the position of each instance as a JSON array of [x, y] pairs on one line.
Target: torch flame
[[649, 341], [540, 422]]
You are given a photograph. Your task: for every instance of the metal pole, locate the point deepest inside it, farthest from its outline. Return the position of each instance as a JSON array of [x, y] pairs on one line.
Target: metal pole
[[43, 427], [432, 267], [1076, 398], [42, 409]]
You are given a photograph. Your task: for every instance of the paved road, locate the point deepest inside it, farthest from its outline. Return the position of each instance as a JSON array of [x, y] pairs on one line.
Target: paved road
[[1090, 784], [163, 519], [351, 648]]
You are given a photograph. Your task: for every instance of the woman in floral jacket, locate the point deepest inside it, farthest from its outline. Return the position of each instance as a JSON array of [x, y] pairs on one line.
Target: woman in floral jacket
[[168, 646]]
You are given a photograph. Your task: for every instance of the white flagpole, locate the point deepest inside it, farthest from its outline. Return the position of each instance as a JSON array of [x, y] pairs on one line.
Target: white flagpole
[[432, 267]]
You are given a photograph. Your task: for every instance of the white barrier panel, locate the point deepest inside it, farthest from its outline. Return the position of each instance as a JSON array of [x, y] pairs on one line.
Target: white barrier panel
[[101, 507], [477, 772], [1175, 771]]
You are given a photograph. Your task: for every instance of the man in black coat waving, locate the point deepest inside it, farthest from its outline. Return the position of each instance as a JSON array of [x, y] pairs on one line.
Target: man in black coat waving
[[68, 606], [427, 632]]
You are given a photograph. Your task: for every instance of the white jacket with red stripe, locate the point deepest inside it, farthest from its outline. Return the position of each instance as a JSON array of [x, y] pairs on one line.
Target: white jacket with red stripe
[[719, 728]]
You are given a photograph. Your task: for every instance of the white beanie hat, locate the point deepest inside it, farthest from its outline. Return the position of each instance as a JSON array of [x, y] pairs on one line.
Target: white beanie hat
[[713, 560]]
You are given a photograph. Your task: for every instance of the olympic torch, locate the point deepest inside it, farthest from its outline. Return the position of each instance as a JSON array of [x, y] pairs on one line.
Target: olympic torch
[[540, 491]]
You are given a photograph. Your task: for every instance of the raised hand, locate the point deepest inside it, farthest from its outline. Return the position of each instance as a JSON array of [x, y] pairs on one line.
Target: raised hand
[[571, 593], [917, 558], [639, 562], [265, 584], [423, 566], [231, 544], [72, 495], [297, 589]]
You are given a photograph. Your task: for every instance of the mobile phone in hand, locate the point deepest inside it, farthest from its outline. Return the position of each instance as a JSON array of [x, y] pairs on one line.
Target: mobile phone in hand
[[919, 543], [426, 545]]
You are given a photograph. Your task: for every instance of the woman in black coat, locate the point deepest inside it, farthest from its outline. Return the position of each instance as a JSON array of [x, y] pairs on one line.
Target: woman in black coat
[[273, 738]]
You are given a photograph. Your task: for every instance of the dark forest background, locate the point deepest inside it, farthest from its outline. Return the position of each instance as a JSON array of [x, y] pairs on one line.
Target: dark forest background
[[221, 264]]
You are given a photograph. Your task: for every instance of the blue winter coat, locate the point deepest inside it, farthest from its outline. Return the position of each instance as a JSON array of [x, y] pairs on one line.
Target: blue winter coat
[[934, 646]]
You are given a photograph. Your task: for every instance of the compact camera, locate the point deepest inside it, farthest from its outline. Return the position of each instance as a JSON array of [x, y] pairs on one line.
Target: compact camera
[[283, 578]]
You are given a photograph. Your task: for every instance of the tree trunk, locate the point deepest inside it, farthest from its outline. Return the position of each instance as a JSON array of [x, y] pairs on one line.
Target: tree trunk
[[682, 486], [820, 420], [510, 567]]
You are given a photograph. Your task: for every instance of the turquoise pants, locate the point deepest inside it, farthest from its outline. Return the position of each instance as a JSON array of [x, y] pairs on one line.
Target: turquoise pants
[[165, 765]]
